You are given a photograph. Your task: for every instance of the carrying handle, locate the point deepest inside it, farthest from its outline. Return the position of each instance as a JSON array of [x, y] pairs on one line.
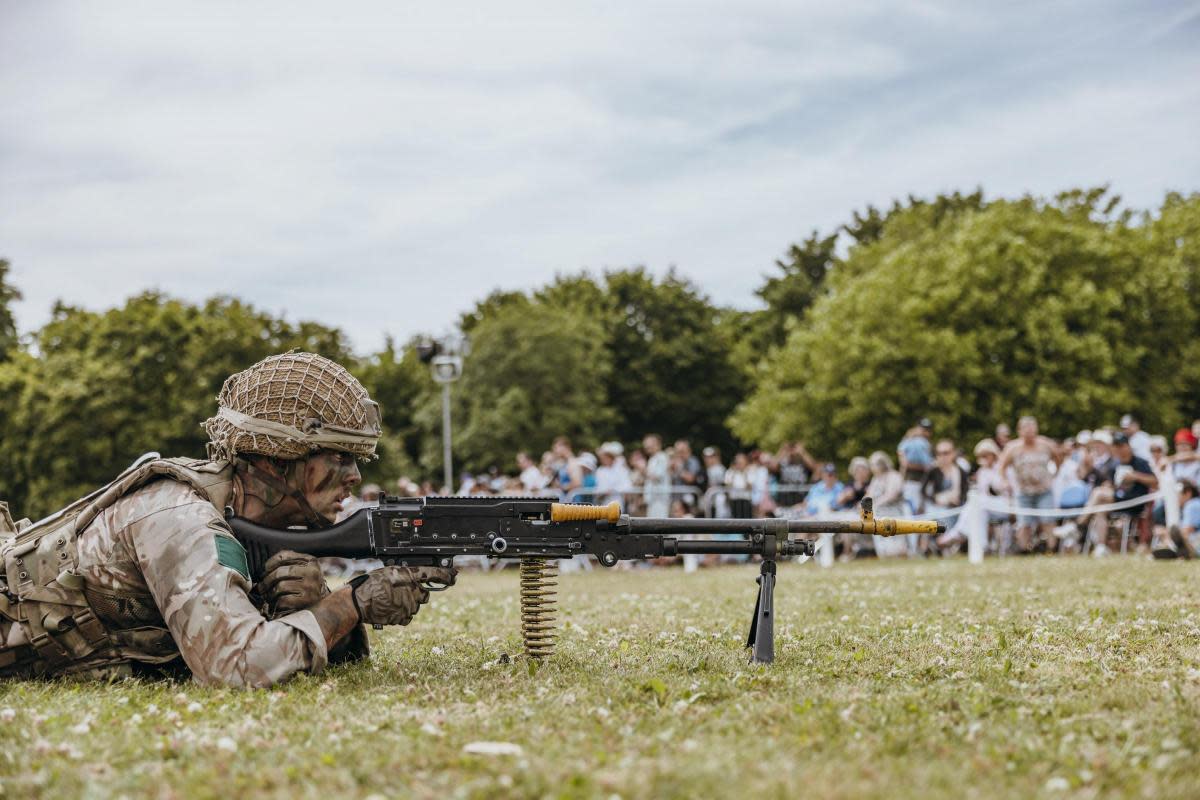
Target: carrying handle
[[580, 512]]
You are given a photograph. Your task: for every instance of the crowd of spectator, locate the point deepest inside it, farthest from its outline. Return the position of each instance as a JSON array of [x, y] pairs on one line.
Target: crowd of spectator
[[1056, 483]]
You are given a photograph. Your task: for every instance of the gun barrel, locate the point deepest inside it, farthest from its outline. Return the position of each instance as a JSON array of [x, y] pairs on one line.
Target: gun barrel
[[686, 526], [883, 526]]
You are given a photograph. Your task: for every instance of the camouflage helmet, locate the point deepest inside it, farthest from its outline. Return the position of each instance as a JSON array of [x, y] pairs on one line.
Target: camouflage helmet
[[289, 405]]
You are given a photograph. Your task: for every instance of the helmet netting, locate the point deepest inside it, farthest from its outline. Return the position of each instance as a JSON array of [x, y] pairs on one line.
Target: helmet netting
[[303, 390]]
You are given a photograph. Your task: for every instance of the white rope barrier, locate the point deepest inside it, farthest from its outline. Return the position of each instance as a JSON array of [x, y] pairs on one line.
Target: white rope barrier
[[992, 503], [973, 518]]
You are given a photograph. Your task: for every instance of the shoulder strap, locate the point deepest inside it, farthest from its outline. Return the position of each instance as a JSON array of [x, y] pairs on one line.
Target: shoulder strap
[[212, 479], [206, 477]]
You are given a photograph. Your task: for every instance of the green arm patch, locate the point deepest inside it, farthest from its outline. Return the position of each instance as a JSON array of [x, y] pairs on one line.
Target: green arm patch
[[230, 553]]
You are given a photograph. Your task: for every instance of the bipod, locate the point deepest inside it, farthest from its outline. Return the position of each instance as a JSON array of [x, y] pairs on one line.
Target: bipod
[[762, 628]]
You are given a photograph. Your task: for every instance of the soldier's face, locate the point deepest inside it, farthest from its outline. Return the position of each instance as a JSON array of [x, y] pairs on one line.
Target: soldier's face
[[329, 478]]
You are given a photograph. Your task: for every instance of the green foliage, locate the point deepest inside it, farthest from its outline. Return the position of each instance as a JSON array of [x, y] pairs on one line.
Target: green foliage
[[804, 270], [972, 316], [787, 296], [535, 371], [647, 355], [1175, 240], [398, 382], [497, 301], [8, 327], [672, 371], [107, 387]]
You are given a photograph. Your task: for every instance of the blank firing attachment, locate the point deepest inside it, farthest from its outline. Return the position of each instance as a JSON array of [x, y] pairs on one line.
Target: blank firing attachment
[[895, 527]]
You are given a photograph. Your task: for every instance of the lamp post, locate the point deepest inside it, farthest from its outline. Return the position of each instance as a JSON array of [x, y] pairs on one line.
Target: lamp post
[[445, 359]]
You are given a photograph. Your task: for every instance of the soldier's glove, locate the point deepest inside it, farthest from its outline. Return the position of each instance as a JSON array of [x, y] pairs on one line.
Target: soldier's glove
[[291, 582], [393, 595], [435, 579]]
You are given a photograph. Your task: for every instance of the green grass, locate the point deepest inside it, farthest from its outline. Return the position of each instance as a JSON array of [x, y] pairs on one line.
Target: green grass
[[1052, 677]]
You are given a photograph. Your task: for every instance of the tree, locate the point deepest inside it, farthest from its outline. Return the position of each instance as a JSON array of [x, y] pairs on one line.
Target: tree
[[497, 301], [1058, 309], [398, 382], [1175, 238], [788, 296], [672, 372], [535, 371], [8, 327], [106, 387]]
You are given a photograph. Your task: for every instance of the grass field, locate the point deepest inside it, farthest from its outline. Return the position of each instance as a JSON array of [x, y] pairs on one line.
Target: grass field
[[1051, 677]]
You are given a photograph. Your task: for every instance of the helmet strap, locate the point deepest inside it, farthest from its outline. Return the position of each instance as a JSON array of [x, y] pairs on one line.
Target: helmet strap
[[273, 481]]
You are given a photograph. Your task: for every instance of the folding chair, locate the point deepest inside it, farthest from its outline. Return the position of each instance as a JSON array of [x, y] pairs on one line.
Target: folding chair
[[1128, 521]]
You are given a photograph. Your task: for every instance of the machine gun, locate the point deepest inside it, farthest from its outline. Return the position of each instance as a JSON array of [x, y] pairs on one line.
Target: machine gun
[[433, 531]]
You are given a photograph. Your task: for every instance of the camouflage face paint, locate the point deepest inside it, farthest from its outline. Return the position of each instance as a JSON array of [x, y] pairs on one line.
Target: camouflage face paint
[[329, 478]]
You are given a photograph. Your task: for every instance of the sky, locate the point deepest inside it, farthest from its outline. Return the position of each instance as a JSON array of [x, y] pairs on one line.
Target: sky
[[381, 166]]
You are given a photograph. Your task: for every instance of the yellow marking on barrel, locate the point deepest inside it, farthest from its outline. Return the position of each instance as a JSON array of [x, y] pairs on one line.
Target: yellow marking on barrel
[[886, 526]]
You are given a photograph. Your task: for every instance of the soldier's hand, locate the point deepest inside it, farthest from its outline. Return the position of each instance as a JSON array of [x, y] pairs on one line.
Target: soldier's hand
[[434, 579], [291, 582], [390, 596]]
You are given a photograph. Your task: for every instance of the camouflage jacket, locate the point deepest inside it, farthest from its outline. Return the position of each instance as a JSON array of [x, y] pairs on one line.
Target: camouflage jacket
[[164, 578]]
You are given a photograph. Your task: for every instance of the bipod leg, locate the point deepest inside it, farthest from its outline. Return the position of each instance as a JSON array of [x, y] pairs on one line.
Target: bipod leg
[[762, 628]]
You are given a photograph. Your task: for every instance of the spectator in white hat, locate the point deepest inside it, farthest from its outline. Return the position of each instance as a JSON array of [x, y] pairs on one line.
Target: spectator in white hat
[[856, 489], [1139, 440], [716, 500], [613, 480], [587, 491], [532, 478]]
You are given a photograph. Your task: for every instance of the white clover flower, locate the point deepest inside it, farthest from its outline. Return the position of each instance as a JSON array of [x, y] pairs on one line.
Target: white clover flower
[[227, 744], [494, 749]]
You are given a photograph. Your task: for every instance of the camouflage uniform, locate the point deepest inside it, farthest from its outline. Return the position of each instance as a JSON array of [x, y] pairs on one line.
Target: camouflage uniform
[[145, 572], [164, 577], [160, 544]]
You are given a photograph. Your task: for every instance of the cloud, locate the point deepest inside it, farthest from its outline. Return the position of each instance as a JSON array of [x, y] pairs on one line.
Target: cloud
[[381, 167]]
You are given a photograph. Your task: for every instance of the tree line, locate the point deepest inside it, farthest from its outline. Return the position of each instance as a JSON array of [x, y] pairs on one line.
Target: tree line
[[963, 309]]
